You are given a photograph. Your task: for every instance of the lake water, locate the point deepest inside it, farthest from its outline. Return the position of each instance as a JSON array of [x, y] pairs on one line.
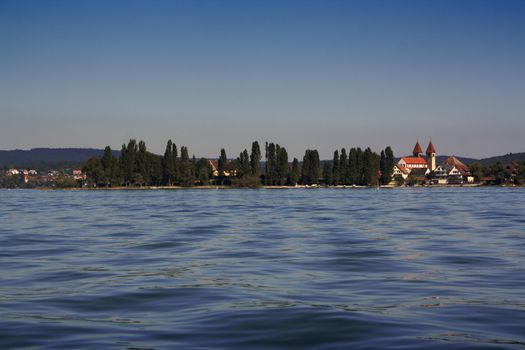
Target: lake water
[[263, 269]]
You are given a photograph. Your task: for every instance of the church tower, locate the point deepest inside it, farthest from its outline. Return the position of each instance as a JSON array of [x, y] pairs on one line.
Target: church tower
[[417, 152], [431, 156]]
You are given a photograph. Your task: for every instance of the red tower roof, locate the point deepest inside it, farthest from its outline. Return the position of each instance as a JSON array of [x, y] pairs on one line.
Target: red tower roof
[[430, 148], [417, 149]]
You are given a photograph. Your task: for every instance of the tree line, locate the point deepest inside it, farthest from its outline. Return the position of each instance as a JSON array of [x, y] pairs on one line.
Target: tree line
[[136, 166], [498, 173]]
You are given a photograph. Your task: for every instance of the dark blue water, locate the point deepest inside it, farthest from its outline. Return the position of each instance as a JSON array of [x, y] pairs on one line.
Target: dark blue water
[[263, 269]]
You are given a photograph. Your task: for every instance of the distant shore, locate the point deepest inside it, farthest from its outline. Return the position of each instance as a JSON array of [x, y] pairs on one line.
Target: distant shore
[[222, 187]]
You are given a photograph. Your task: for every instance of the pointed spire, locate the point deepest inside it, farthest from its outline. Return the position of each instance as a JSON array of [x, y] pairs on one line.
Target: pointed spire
[[430, 149], [417, 149]]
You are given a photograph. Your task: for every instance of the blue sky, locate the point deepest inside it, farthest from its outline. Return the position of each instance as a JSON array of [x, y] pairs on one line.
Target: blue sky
[[304, 74]]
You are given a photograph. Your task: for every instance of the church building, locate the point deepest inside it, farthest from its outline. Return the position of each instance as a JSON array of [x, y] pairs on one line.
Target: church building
[[417, 164]]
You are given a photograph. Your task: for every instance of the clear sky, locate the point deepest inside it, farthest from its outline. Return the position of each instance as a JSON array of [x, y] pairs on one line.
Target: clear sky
[[305, 74]]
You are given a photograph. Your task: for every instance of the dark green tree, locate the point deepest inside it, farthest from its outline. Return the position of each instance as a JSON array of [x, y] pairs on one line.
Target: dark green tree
[[142, 176], [370, 168], [115, 179], [185, 168], [108, 164], [168, 165], [128, 161], [95, 172], [327, 173], [122, 166], [282, 168], [353, 167], [305, 169], [315, 166], [270, 168], [389, 159], [203, 171], [520, 176], [295, 173], [359, 168], [243, 165], [223, 162], [386, 165], [345, 171], [176, 164], [311, 167], [255, 159], [193, 171], [154, 164], [335, 169], [498, 171], [384, 179], [107, 161], [476, 169]]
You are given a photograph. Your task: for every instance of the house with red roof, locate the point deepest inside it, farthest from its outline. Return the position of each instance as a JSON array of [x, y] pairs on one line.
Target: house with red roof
[[453, 171], [228, 171]]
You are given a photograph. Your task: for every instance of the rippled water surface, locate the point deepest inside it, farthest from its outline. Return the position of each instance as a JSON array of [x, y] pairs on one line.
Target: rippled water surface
[[263, 269]]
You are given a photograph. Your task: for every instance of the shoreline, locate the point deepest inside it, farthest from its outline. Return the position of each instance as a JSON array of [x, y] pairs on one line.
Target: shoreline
[[222, 187]]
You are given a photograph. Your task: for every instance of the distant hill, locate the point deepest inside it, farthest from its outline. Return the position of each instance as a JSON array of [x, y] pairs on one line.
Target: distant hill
[[506, 159], [46, 158]]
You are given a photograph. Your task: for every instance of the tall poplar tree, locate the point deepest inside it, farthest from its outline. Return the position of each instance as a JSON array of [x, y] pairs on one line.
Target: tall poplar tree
[[243, 165], [327, 173], [352, 167], [185, 168], [153, 171], [315, 167], [386, 165], [389, 155], [382, 167], [295, 173], [255, 159], [282, 168], [335, 169], [142, 174], [305, 169], [359, 180], [107, 165], [223, 162], [370, 167], [128, 162], [311, 167], [270, 175], [168, 165], [176, 163], [343, 164]]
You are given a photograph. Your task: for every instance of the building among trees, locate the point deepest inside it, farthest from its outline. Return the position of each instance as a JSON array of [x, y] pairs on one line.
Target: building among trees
[[406, 165], [227, 171], [420, 168], [452, 171]]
